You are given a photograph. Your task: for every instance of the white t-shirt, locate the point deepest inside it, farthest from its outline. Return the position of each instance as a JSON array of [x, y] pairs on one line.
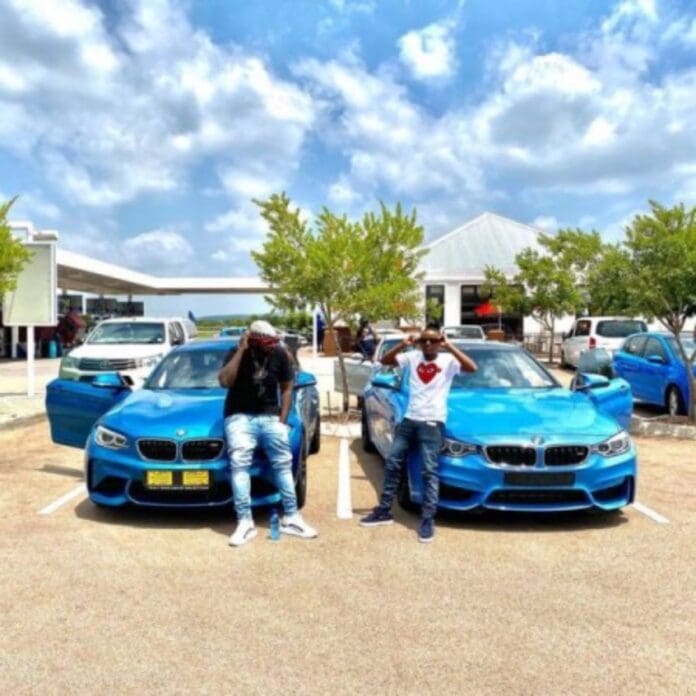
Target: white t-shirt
[[429, 383]]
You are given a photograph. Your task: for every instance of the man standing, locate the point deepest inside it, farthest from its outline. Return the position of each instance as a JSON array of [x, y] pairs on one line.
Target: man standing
[[259, 379], [430, 373]]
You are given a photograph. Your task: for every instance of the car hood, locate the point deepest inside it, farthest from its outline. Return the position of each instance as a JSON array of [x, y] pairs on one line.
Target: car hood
[[119, 350], [170, 413], [502, 414]]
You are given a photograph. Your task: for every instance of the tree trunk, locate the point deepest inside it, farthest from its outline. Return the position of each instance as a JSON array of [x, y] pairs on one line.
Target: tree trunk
[[342, 367], [552, 328], [691, 380]]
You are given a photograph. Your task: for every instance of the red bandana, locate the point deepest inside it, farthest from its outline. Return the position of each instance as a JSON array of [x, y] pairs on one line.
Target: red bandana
[[426, 371]]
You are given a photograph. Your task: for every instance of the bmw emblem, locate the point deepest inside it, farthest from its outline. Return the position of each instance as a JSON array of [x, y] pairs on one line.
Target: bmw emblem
[[180, 432], [537, 440]]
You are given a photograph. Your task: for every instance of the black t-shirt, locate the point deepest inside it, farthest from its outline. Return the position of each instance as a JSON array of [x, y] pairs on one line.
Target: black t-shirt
[[256, 389]]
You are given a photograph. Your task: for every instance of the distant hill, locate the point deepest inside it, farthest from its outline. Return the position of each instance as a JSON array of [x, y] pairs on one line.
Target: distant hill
[[217, 318]]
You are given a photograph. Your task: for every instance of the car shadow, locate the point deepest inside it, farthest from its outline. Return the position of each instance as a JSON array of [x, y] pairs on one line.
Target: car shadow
[[486, 520]]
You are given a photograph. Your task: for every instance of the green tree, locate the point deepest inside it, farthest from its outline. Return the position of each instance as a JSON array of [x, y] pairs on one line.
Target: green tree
[[549, 280], [13, 254], [660, 278], [347, 268]]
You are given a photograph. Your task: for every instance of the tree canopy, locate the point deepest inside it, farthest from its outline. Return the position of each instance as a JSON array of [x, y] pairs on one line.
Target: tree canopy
[[13, 254]]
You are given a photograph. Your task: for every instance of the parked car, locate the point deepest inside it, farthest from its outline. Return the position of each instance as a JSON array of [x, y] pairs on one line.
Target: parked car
[[468, 331], [515, 439], [651, 364], [232, 331], [163, 445], [131, 346], [597, 332]]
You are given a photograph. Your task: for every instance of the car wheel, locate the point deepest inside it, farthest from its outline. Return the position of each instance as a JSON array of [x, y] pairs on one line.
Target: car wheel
[[315, 444], [404, 494], [301, 481], [367, 443], [673, 402]]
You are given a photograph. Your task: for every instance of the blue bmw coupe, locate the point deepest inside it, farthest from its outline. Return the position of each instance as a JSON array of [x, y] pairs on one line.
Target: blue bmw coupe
[[163, 445], [515, 439]]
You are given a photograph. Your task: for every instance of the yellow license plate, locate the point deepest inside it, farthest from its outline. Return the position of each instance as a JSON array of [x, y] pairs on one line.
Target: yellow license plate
[[159, 479], [195, 478]]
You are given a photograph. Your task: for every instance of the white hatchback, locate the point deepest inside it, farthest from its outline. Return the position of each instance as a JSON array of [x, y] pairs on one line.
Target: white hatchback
[[131, 346]]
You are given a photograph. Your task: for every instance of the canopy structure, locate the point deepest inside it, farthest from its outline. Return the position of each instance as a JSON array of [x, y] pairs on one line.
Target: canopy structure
[[85, 274]]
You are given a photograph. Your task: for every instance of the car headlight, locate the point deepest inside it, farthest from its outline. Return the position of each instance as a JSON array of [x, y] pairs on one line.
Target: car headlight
[[110, 438], [615, 445], [457, 448], [150, 362], [69, 362]]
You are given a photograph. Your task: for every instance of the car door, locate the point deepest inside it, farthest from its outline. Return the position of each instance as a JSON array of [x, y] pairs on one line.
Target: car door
[[578, 341], [306, 398], [627, 363], [654, 369], [614, 399], [385, 408], [74, 407]]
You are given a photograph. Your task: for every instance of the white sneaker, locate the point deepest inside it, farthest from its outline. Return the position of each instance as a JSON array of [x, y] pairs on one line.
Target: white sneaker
[[295, 525], [245, 532]]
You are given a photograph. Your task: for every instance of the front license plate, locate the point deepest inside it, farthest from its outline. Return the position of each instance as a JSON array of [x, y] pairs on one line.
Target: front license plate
[[195, 479], [159, 479], [515, 478]]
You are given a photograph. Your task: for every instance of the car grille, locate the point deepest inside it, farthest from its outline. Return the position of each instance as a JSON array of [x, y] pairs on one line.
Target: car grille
[[513, 455], [566, 455], [219, 493], [537, 497], [107, 364], [201, 450], [157, 450]]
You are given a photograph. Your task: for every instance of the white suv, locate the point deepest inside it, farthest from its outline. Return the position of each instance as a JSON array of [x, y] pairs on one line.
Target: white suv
[[131, 346], [597, 332]]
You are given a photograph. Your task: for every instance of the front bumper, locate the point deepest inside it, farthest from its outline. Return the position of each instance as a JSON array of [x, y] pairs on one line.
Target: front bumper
[[116, 478], [471, 482]]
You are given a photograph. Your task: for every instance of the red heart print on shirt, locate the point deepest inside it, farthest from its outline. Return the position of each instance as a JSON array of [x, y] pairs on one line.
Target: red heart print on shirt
[[426, 371]]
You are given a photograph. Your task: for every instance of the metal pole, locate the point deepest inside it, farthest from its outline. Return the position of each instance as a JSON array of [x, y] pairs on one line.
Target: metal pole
[[315, 326], [30, 361], [14, 337]]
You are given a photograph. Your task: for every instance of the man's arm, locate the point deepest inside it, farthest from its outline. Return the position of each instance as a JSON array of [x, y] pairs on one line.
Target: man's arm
[[228, 375], [465, 362], [389, 358], [285, 400]]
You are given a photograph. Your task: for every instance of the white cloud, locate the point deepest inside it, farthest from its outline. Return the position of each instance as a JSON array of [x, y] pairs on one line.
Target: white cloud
[[162, 249], [429, 52], [549, 223]]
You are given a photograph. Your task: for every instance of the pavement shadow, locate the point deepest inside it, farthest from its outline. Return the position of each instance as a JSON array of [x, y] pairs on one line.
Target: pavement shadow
[[486, 520], [62, 471]]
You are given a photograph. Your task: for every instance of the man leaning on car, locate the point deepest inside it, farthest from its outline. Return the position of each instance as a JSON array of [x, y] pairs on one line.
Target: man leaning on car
[[258, 371]]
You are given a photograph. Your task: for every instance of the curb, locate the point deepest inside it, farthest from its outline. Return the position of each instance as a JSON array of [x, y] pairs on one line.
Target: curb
[[654, 427], [22, 421]]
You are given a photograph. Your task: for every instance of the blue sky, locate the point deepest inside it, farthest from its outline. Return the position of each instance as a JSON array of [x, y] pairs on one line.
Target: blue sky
[[141, 129]]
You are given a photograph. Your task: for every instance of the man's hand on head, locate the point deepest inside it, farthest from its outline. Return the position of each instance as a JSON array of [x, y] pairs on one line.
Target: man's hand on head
[[244, 341]]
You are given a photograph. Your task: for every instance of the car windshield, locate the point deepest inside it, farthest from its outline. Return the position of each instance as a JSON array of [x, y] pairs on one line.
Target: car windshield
[[128, 332], [464, 332], [188, 369], [232, 331], [503, 368], [687, 342], [620, 328]]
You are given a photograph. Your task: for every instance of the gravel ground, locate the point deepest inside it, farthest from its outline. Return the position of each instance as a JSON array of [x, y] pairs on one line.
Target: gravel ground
[[131, 601]]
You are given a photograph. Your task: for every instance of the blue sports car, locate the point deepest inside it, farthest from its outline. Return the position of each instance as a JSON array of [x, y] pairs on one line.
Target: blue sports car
[[515, 439], [651, 364], [163, 445]]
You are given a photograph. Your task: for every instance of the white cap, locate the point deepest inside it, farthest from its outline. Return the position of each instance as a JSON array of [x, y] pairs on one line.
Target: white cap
[[262, 328]]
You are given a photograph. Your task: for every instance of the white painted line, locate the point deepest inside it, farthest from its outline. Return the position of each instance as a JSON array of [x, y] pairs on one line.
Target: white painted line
[[344, 504], [648, 512], [74, 493], [351, 430]]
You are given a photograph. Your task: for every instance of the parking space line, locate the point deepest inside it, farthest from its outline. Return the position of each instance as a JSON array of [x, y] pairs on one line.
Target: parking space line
[[649, 512], [74, 493], [344, 503]]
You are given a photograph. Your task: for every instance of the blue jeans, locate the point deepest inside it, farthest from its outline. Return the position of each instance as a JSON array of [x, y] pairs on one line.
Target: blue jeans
[[427, 436], [244, 433]]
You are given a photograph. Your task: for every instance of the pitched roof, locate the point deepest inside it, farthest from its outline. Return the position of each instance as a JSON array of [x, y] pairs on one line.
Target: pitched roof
[[488, 239]]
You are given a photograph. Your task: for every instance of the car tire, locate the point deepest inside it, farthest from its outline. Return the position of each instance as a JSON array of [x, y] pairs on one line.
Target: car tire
[[367, 444], [403, 495], [674, 402], [301, 481], [315, 444], [564, 364]]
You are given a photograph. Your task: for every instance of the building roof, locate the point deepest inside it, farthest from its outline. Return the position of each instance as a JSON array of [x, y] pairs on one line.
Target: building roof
[[487, 240]]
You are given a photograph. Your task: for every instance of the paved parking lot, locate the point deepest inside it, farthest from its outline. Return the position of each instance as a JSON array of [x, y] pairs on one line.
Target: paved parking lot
[[124, 601]]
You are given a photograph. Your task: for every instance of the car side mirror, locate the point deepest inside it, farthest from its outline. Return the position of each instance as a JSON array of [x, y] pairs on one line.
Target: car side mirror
[[110, 380], [656, 359], [386, 380], [588, 380]]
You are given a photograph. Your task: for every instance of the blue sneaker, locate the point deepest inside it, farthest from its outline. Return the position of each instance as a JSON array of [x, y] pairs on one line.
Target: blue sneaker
[[377, 517], [426, 530]]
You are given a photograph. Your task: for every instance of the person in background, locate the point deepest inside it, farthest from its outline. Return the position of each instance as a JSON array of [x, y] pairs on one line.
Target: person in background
[[259, 379], [430, 372], [366, 339], [321, 329], [71, 328]]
